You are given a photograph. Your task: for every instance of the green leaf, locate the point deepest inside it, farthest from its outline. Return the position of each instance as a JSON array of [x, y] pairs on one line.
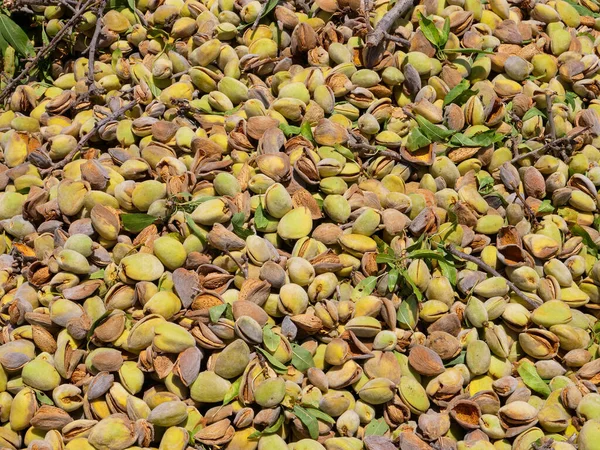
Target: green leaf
[[97, 275], [15, 36], [460, 359], [416, 140], [260, 220], [570, 99], [344, 151], [449, 270], [533, 112], [97, 322], [277, 365], [131, 4], [306, 131], [408, 313], [486, 184], [216, 312], [382, 246], [4, 44], [592, 247], [232, 392], [237, 221], [392, 279], [269, 430], [116, 4], [532, 379], [433, 132], [196, 230], [377, 427], [116, 55], [426, 254], [445, 33], [478, 140], [320, 415], [364, 288], [546, 207], [43, 398], [384, 258], [289, 130], [136, 222], [459, 94], [582, 10], [429, 30], [412, 284], [153, 88], [276, 426], [270, 338], [309, 421], [301, 358], [596, 223]]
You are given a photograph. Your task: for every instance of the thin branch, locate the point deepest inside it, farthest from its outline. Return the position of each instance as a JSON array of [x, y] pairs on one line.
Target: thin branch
[[141, 17], [303, 5], [530, 212], [371, 150], [67, 159], [386, 22], [259, 16], [93, 45], [44, 2], [491, 271], [243, 269], [551, 144], [398, 40], [44, 51]]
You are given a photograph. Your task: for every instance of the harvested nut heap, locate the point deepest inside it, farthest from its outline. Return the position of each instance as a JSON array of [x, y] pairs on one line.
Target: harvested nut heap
[[300, 225]]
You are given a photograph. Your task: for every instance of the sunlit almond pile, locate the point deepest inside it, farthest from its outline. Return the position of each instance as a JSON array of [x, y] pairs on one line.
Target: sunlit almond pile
[[299, 225]]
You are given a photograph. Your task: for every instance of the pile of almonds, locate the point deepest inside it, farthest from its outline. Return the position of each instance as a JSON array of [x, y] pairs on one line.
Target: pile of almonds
[[300, 225]]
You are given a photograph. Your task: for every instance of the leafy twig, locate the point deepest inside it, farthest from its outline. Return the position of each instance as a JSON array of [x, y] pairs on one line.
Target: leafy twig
[[44, 51], [490, 270], [67, 159]]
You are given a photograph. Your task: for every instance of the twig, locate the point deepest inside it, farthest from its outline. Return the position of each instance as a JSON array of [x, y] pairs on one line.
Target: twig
[[530, 212], [490, 270], [44, 2], [67, 159], [259, 16], [240, 266], [397, 39], [371, 150], [551, 144], [141, 17], [45, 50], [375, 38], [546, 444], [93, 45], [303, 5], [550, 116]]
